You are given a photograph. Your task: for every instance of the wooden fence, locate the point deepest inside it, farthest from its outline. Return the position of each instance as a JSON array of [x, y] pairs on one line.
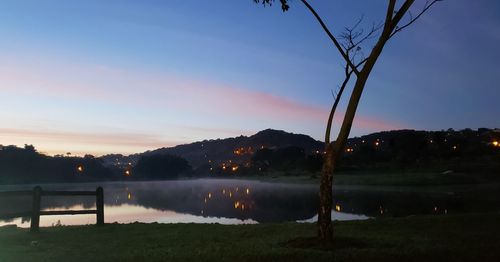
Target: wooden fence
[[37, 194]]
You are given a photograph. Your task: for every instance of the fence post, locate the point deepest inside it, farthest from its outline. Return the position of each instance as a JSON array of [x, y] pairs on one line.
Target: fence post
[[99, 205], [35, 210]]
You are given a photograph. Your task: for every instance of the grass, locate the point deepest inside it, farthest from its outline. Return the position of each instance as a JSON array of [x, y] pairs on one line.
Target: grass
[[472, 237]]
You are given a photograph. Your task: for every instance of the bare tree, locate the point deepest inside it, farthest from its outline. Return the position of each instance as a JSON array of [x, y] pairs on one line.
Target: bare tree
[[349, 45]]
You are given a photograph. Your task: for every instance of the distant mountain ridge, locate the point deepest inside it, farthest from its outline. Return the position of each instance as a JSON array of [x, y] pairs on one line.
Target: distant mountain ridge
[[238, 149], [397, 144]]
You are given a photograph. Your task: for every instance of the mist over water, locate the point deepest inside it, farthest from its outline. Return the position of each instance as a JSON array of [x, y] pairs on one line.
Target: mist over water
[[231, 201]]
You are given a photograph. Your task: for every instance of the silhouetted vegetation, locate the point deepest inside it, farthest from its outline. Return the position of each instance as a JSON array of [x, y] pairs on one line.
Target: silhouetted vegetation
[[160, 166], [26, 165], [465, 151]]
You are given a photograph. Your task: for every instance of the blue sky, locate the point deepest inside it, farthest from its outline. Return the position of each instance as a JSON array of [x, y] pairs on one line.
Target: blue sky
[[128, 76]]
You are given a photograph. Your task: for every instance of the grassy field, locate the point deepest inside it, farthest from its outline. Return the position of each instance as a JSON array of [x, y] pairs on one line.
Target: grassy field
[[473, 237]]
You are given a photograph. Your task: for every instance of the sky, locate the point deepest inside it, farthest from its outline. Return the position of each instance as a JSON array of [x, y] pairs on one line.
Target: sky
[[113, 76]]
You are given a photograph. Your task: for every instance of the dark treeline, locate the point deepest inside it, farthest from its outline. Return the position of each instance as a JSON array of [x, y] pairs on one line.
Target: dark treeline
[[286, 159], [467, 151], [26, 165], [160, 167]]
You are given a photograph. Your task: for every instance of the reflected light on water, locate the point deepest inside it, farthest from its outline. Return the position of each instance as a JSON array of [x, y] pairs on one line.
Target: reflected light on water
[[216, 198], [127, 214], [336, 216]]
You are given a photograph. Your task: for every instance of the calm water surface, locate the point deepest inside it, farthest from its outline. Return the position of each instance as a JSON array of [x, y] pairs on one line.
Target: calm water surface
[[236, 202]]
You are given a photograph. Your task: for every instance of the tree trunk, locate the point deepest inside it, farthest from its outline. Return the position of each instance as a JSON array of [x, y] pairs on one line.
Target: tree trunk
[[325, 228]]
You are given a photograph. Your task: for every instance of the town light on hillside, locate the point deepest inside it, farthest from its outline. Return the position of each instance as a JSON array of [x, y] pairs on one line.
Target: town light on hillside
[[79, 168]]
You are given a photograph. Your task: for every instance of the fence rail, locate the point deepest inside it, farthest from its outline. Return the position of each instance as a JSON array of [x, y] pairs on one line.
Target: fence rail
[[37, 194]]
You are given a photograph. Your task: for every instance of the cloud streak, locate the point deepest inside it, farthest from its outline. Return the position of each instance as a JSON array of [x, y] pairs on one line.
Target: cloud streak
[[205, 107]]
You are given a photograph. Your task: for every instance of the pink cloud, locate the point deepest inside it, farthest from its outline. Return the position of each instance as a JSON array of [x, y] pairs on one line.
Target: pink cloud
[[197, 105], [91, 138]]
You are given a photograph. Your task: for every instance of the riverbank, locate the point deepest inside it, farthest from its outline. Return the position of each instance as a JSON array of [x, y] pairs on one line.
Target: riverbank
[[471, 237]]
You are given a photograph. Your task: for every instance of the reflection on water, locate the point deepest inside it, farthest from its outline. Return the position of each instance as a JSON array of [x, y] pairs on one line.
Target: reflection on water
[[229, 202]]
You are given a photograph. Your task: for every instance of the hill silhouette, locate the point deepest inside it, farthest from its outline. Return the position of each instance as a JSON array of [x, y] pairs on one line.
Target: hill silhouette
[[468, 151], [237, 149]]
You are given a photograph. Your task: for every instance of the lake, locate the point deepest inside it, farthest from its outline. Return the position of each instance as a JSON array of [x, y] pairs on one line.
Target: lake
[[232, 201]]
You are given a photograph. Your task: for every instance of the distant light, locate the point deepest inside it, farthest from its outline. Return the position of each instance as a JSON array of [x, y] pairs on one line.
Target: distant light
[[454, 147], [236, 204], [377, 143], [127, 172], [337, 208], [79, 168], [248, 191], [495, 143], [209, 195], [234, 168], [129, 196]]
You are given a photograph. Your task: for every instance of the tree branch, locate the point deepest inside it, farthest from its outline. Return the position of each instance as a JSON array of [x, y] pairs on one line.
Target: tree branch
[[413, 19], [328, 131], [334, 40], [388, 15], [400, 13]]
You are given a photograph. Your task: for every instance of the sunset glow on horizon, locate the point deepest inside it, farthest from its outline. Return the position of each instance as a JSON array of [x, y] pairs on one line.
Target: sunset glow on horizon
[[139, 75]]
